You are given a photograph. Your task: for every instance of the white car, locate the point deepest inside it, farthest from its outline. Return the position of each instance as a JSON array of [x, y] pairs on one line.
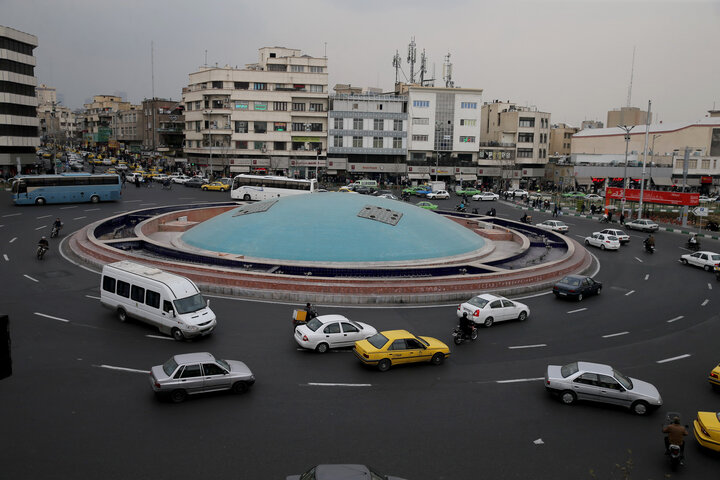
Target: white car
[[592, 197], [704, 259], [642, 225], [705, 199], [389, 196], [554, 225], [517, 193], [486, 196], [621, 236], [160, 178], [439, 194], [331, 331], [486, 309], [180, 179], [603, 242]]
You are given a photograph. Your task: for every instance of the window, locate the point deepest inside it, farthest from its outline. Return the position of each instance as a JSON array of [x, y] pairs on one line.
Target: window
[[109, 284], [421, 103], [280, 127], [260, 105], [239, 105], [338, 141], [279, 146], [587, 379], [413, 344], [191, 371], [332, 328], [420, 121], [692, 164], [468, 122], [123, 289], [298, 145], [280, 106], [137, 294], [357, 142], [397, 125], [213, 369], [377, 142], [241, 144], [297, 68], [316, 127], [349, 328], [316, 88], [317, 107], [496, 304], [706, 164], [298, 127], [241, 127], [217, 84], [167, 306], [298, 107], [260, 127], [526, 122], [420, 138], [274, 67], [524, 152], [338, 124], [260, 86], [525, 137], [398, 345], [472, 105], [152, 299], [378, 124], [314, 69], [467, 139], [357, 123], [397, 142], [259, 146], [242, 85]]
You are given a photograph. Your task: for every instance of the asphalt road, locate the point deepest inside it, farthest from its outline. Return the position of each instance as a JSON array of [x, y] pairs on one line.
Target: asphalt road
[[79, 403]]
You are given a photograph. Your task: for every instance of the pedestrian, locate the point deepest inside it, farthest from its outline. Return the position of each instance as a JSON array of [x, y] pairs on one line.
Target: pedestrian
[[622, 218], [137, 181], [582, 209], [609, 214], [555, 211]]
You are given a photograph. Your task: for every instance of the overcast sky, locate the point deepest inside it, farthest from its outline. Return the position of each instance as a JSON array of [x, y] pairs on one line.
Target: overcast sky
[[570, 58]]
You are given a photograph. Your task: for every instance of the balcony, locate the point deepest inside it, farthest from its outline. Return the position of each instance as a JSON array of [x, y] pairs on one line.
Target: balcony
[[496, 144]]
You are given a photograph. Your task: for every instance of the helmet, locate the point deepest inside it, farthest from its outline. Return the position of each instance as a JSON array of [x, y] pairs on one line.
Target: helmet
[[43, 237]]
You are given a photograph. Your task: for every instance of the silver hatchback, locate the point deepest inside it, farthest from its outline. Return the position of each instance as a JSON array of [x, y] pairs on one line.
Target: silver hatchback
[[193, 373], [601, 383]]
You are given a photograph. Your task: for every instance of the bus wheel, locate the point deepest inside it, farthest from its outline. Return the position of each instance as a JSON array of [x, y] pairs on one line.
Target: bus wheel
[[94, 199], [246, 197], [40, 201]]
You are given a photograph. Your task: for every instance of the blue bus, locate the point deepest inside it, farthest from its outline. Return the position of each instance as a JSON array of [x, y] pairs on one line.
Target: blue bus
[[65, 188]]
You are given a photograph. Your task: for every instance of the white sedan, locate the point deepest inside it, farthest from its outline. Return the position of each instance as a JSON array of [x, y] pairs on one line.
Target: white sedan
[[554, 225], [486, 196], [331, 331], [439, 194], [603, 242], [592, 197], [180, 179], [643, 225], [487, 309], [622, 236], [704, 259]]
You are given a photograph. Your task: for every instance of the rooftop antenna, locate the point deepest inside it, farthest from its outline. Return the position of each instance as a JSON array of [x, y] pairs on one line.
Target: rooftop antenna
[[205, 58], [423, 67], [325, 50], [396, 63], [152, 67], [632, 71], [411, 59], [447, 72]]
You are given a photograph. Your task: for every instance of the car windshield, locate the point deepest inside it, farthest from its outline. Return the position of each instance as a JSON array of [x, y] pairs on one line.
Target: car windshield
[[572, 281], [223, 364], [478, 302], [715, 257], [614, 239], [314, 324], [169, 367], [423, 341], [560, 224], [569, 369], [624, 381], [378, 340], [189, 304]]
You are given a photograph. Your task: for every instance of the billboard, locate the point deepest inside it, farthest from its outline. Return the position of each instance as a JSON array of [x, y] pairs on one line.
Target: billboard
[[653, 196]]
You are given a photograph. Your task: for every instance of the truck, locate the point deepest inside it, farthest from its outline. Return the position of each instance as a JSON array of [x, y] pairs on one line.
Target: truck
[[437, 186]]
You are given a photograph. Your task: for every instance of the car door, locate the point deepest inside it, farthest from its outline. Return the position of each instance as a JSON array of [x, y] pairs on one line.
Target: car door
[[333, 335], [215, 377], [510, 310], [191, 378], [586, 387], [595, 240], [587, 286], [415, 351], [613, 392], [351, 334], [496, 311], [696, 259], [397, 351]]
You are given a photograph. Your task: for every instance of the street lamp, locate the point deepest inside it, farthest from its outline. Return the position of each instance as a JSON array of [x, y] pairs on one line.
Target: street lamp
[[652, 159], [626, 129]]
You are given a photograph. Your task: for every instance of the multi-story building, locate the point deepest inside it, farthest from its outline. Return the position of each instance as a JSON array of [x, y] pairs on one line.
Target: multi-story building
[[269, 116], [627, 116], [443, 132], [162, 127], [560, 139], [97, 119], [58, 124], [127, 129], [591, 124], [19, 136], [367, 134], [515, 145]]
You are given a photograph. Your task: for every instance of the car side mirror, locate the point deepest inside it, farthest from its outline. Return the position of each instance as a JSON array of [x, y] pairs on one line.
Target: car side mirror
[[207, 303], [171, 312]]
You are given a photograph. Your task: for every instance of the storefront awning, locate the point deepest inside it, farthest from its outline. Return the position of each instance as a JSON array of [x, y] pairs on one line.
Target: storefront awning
[[583, 180], [465, 177], [692, 182], [419, 176], [662, 181], [239, 169]]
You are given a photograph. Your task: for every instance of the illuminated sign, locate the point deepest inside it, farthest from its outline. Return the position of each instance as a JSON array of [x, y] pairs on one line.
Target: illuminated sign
[[653, 196]]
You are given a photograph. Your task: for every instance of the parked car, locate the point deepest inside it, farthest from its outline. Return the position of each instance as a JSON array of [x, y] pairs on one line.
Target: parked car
[[622, 236], [486, 309], [331, 331], [195, 182], [576, 286], [554, 225], [706, 428], [393, 347], [642, 225], [442, 194], [601, 383], [194, 373], [344, 472], [603, 241], [704, 259], [592, 197], [486, 196]]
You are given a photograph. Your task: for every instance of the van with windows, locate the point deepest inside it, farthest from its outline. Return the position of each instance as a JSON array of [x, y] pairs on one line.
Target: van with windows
[[371, 184], [170, 302]]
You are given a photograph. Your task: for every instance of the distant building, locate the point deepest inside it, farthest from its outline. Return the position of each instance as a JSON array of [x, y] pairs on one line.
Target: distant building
[[586, 124], [162, 126], [19, 136], [560, 139], [57, 123], [627, 116], [98, 118]]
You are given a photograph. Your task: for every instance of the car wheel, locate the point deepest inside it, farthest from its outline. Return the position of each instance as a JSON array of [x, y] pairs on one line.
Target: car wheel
[[706, 268], [40, 201], [177, 396], [458, 339], [488, 322], [322, 347], [94, 199], [587, 242], [240, 387], [580, 297], [246, 197], [523, 316], [683, 261], [121, 314], [177, 334], [222, 189], [568, 397], [640, 408], [437, 359], [602, 247], [384, 365]]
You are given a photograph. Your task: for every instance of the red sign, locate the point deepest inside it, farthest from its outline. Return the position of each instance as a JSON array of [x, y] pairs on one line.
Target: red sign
[[653, 196], [705, 179]]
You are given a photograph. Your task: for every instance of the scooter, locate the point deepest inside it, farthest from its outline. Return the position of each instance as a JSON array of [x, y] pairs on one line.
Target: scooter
[[55, 230], [673, 452], [648, 248], [41, 250], [693, 246], [460, 208], [459, 336], [302, 316]]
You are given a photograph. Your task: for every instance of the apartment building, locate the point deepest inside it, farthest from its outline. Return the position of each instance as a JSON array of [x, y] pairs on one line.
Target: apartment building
[[270, 116], [97, 119], [560, 139], [367, 134], [591, 124], [19, 135], [162, 126], [127, 129], [515, 145]]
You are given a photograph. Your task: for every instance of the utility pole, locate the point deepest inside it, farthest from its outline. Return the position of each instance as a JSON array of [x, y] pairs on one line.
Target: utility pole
[[686, 159], [626, 129], [642, 181]]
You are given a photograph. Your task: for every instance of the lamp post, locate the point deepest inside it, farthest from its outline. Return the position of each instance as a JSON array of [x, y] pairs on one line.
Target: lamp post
[[652, 158], [626, 129]]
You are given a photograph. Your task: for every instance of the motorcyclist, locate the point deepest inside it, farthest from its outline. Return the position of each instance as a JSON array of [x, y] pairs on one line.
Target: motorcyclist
[[675, 433], [693, 241], [44, 243], [466, 324], [311, 312], [650, 241], [57, 224]]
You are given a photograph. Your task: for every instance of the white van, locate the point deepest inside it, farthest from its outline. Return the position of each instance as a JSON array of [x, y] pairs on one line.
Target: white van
[[366, 183], [170, 302]]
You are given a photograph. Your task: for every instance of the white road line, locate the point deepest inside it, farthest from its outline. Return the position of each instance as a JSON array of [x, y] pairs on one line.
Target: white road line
[[679, 357], [518, 380], [636, 258], [51, 317], [578, 310], [707, 300], [91, 210], [340, 384], [123, 369], [528, 346], [709, 284], [40, 228], [79, 218], [15, 238], [580, 236], [647, 275], [67, 208], [676, 319], [92, 296], [615, 334], [159, 337], [630, 292], [31, 278], [12, 215], [6, 257], [44, 216]]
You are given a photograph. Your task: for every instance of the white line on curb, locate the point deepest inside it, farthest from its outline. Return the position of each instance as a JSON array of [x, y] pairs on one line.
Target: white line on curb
[[679, 357], [615, 334], [528, 346], [110, 367], [676, 319], [705, 302], [518, 380], [630, 292], [340, 384], [31, 278], [51, 317], [578, 310]]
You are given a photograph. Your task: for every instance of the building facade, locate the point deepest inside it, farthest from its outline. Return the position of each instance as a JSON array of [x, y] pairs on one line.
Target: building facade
[[561, 138], [270, 116], [57, 123], [586, 124], [97, 119], [19, 136], [162, 126]]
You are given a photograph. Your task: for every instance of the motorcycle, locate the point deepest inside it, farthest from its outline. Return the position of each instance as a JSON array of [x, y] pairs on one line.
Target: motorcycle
[[302, 316], [716, 268], [41, 250], [648, 247], [674, 452], [55, 231], [526, 219], [459, 336], [693, 246], [460, 208]]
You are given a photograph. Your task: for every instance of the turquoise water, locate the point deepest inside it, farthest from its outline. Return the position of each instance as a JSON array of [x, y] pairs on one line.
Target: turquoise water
[[325, 227]]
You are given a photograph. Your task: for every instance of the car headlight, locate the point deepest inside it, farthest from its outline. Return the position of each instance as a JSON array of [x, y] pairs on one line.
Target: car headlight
[[192, 328]]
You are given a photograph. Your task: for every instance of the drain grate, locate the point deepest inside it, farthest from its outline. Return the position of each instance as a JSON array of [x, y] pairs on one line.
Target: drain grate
[[379, 214], [255, 208]]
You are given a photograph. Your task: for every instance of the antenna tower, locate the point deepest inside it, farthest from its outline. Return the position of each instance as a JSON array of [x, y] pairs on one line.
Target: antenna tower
[[447, 72], [411, 59], [396, 62], [423, 67], [632, 71]]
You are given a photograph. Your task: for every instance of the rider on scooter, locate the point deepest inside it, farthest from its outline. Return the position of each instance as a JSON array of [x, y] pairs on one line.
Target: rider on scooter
[[466, 324], [675, 433]]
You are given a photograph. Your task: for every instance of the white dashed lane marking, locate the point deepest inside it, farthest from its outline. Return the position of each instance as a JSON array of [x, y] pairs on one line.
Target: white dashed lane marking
[[578, 310], [6, 257], [92, 296], [636, 258], [707, 300], [518, 380], [339, 384], [709, 286], [123, 369], [51, 317], [31, 278], [630, 292], [79, 218], [159, 337], [67, 208], [672, 359], [647, 275], [676, 319], [15, 238], [40, 228], [91, 210], [615, 334], [12, 215], [44, 216], [538, 345]]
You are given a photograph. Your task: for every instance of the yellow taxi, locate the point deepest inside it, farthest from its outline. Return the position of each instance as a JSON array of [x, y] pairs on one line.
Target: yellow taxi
[[395, 347], [714, 378], [706, 428], [345, 190], [216, 186]]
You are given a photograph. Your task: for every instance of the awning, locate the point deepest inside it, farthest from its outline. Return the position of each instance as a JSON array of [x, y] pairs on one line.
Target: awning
[[583, 180], [239, 168], [693, 182], [465, 177], [419, 176], [662, 181]]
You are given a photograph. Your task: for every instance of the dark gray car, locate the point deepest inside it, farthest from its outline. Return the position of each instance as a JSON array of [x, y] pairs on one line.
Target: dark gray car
[[344, 472], [193, 373]]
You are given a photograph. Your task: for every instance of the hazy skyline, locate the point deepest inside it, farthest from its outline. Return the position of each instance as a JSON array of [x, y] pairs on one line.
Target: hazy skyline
[[570, 58]]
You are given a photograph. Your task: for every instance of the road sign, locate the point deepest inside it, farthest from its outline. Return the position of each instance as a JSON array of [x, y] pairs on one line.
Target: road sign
[[700, 211]]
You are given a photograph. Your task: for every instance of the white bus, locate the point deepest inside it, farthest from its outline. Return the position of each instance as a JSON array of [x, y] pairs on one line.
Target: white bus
[[264, 187]]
